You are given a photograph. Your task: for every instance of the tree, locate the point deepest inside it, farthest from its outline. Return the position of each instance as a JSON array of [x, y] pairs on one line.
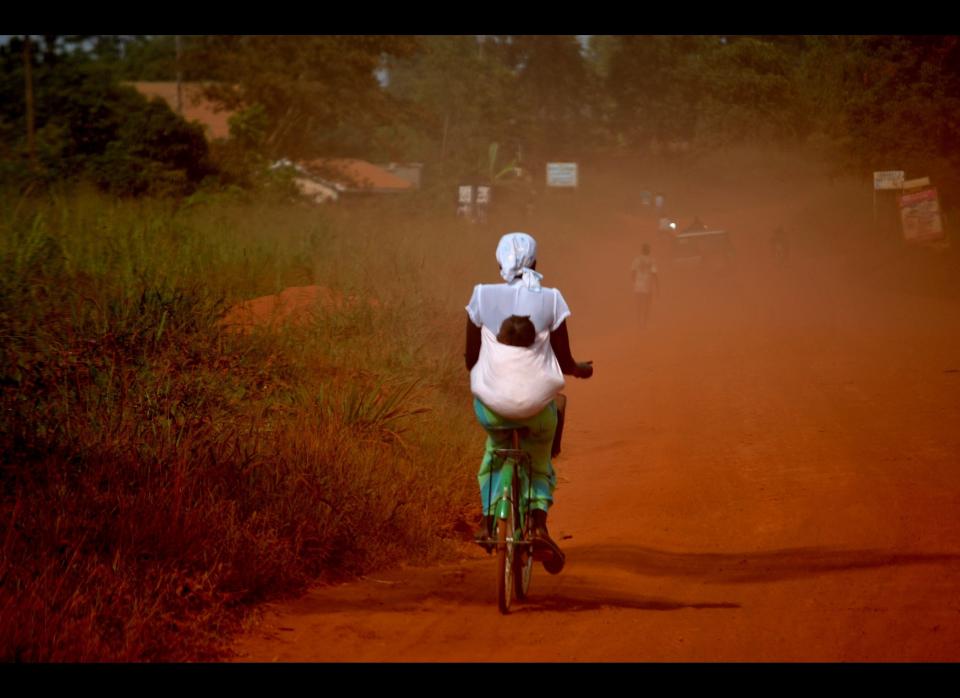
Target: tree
[[747, 91], [89, 126], [533, 97], [315, 90], [713, 88], [458, 93], [554, 93], [599, 54], [655, 87]]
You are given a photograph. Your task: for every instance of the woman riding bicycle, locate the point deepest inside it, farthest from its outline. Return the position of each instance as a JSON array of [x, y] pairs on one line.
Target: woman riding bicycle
[[517, 388]]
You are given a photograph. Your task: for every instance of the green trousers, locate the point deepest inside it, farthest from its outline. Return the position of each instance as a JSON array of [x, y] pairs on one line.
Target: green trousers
[[538, 444]]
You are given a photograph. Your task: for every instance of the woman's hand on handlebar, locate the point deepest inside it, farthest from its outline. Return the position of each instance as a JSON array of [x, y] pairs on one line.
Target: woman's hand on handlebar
[[584, 369]]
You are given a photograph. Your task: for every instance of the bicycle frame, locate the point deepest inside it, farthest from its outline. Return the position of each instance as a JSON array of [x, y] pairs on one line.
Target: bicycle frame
[[511, 460], [514, 552]]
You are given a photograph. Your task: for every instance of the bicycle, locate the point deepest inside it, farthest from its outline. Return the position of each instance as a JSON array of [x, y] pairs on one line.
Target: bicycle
[[513, 542]]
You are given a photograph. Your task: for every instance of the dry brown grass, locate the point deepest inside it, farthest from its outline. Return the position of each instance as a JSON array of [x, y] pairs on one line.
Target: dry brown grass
[[160, 475]]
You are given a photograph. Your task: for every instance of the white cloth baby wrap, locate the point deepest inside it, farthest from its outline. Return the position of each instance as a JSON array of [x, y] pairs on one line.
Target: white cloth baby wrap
[[516, 382]]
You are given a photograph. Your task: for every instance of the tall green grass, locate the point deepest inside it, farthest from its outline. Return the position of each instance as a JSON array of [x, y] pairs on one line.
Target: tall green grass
[[161, 474]]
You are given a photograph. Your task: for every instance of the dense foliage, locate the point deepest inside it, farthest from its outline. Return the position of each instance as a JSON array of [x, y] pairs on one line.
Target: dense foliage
[[874, 101], [88, 125]]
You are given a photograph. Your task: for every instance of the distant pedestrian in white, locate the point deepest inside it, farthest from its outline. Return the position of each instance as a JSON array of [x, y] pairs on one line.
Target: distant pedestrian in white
[[645, 280]]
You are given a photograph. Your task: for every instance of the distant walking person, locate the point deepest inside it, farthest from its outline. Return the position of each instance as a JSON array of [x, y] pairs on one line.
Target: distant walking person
[[645, 280], [780, 244]]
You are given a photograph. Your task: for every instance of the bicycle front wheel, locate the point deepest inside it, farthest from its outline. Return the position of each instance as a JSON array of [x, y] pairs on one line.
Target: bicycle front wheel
[[505, 560], [522, 564]]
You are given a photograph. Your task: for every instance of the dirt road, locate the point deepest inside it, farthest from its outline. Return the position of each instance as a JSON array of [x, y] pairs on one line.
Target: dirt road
[[768, 472]]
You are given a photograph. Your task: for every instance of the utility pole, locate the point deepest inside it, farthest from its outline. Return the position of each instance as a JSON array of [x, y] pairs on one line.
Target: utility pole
[[443, 143], [176, 42], [31, 126]]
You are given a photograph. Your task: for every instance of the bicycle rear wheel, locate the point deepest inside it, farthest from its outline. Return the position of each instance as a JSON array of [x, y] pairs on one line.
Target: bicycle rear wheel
[[505, 562], [522, 562]]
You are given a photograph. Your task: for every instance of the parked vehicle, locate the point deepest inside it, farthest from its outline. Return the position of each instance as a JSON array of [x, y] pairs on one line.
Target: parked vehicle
[[697, 244]]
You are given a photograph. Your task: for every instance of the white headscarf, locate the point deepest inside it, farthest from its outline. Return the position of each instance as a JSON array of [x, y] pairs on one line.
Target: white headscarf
[[517, 253]]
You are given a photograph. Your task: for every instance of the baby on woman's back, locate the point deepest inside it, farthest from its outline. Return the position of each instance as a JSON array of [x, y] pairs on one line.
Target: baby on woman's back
[[517, 331]]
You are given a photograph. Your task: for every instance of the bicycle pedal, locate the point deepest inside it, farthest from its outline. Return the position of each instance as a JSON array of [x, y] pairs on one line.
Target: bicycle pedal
[[488, 544]]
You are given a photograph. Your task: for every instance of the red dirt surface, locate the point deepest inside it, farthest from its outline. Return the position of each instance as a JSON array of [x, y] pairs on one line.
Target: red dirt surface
[[767, 472]]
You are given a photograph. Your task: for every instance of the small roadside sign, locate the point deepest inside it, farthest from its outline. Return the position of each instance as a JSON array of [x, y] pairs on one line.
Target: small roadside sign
[[561, 174], [889, 179], [465, 201]]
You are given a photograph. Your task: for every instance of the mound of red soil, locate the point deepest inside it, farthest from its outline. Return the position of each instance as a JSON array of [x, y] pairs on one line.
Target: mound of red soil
[[293, 305]]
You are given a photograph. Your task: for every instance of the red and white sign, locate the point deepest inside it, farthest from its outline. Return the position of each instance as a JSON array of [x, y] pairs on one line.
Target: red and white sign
[[920, 215]]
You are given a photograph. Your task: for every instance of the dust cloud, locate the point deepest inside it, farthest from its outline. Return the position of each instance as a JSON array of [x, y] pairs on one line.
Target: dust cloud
[[765, 471]]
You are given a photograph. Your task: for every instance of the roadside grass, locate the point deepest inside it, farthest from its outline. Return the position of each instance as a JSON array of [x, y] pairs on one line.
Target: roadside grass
[[161, 474]]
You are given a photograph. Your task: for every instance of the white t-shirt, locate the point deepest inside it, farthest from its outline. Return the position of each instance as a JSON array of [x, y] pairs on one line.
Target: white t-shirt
[[516, 382], [643, 269], [491, 304]]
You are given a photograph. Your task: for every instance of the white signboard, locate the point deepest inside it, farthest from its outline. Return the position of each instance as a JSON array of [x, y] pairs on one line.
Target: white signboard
[[890, 179], [561, 174], [466, 194], [483, 195]]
